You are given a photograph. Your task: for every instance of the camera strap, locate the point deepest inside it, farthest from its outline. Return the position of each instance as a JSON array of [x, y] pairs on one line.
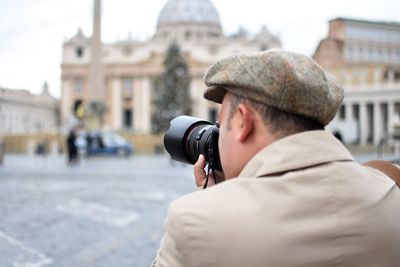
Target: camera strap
[[208, 174], [210, 167]]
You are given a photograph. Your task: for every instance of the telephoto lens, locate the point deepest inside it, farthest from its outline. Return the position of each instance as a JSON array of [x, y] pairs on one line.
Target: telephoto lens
[[188, 137]]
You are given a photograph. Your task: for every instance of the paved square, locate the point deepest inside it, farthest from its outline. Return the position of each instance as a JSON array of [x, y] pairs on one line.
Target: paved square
[[103, 212]]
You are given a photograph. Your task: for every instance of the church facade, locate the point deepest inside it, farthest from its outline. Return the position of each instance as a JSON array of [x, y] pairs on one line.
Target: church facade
[[120, 74]]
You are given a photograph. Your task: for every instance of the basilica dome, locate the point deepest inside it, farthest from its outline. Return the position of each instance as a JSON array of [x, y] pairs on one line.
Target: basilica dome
[[189, 11]]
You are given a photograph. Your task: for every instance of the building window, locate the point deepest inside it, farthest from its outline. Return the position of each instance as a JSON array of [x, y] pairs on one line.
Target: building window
[[380, 54], [79, 52], [360, 53], [38, 125], [127, 118], [384, 117], [349, 53], [391, 55], [370, 53], [78, 86], [370, 120], [25, 121], [397, 76], [350, 50], [397, 109]]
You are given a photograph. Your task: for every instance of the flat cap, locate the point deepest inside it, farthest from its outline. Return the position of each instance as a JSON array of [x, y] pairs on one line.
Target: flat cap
[[285, 80]]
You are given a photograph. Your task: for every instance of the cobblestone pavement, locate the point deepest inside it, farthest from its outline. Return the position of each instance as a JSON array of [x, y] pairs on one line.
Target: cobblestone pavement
[[103, 212]]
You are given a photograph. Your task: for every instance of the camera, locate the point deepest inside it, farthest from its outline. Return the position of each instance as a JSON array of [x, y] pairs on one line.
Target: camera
[[188, 137]]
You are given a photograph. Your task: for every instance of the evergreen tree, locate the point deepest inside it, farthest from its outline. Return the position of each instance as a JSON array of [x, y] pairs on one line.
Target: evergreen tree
[[171, 96]]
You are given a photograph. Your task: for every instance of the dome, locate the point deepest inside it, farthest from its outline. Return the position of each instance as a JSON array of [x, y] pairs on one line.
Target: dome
[[189, 12]]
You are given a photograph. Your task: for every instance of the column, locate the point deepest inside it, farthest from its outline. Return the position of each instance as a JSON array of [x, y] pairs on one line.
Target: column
[[391, 76], [146, 101], [137, 105], [363, 123], [142, 105], [377, 123], [116, 122], [66, 105], [348, 112], [31, 147]]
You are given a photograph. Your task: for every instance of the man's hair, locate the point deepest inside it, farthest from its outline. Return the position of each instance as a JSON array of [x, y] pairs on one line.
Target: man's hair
[[279, 123]]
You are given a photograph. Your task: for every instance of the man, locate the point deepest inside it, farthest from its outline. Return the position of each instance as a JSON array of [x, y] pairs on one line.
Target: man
[[293, 195], [72, 148]]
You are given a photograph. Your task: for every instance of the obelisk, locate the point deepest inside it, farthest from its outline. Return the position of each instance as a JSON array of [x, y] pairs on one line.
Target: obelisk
[[96, 79]]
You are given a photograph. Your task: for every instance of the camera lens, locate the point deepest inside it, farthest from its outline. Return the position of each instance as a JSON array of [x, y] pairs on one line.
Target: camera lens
[[188, 137], [199, 141]]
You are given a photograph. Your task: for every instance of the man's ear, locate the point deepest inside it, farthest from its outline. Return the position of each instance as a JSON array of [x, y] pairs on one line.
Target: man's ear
[[246, 122]]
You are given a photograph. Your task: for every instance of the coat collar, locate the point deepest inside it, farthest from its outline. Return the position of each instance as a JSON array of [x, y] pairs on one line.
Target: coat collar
[[296, 151]]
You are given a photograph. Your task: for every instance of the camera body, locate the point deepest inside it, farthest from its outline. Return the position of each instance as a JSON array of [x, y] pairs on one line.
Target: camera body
[[188, 137]]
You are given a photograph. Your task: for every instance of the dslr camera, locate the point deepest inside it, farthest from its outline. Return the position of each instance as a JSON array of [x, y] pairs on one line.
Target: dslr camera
[[188, 137]]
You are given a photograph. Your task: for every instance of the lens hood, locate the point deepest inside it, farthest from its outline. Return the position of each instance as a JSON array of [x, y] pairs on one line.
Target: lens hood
[[177, 137]]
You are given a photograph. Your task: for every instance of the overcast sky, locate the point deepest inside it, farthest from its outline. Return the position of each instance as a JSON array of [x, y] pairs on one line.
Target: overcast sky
[[32, 31]]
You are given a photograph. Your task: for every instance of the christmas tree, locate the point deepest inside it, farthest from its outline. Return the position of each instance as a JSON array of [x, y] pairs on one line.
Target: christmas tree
[[171, 95]]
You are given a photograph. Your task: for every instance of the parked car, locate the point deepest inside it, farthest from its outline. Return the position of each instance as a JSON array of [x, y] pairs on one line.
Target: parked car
[[103, 143]]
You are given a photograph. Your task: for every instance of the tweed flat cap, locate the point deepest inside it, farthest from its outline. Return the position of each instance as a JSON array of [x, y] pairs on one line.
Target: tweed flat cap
[[285, 80]]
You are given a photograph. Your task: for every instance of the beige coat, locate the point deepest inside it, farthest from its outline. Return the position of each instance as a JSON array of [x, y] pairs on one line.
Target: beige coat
[[302, 201]]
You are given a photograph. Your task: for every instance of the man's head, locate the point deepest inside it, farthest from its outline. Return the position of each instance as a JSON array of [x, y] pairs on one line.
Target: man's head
[[267, 96]]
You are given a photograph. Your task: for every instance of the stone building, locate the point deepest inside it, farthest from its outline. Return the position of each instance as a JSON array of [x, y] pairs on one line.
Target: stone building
[[22, 112], [365, 57], [120, 74]]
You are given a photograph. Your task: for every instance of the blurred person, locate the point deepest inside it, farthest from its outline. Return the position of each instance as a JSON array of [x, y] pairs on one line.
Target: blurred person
[[2, 148], [40, 149], [72, 147], [293, 194]]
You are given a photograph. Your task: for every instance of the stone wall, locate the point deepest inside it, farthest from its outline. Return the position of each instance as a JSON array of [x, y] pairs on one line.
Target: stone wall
[[54, 144]]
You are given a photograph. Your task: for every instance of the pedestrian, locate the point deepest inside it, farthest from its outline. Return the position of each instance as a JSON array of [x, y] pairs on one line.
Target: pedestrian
[[72, 148], [1, 151], [293, 194]]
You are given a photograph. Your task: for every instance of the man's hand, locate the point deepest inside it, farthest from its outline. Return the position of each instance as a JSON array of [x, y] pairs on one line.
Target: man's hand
[[201, 176]]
